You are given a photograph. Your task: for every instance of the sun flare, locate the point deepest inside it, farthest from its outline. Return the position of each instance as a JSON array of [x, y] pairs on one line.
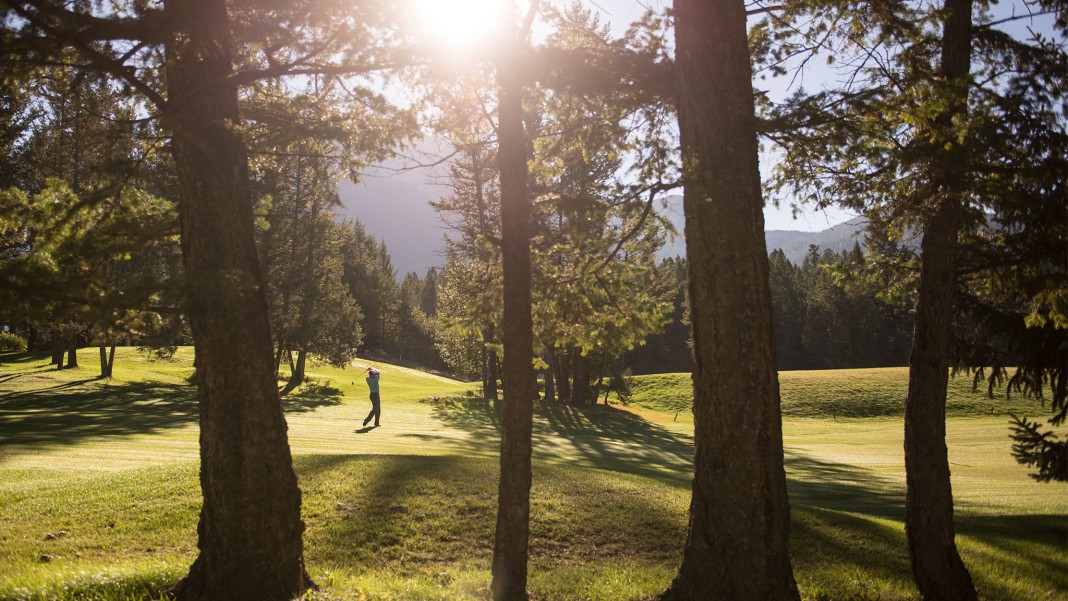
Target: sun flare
[[458, 24]]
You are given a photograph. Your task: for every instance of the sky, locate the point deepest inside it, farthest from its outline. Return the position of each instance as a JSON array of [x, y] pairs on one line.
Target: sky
[[619, 14]]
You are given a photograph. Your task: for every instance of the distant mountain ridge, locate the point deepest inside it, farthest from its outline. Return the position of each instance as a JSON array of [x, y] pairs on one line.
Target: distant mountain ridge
[[793, 243], [397, 211], [838, 238]]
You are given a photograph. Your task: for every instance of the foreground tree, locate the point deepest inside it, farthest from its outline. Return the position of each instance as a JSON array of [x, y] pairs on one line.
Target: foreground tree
[[247, 550], [949, 122], [736, 542], [181, 59], [937, 568], [513, 497]]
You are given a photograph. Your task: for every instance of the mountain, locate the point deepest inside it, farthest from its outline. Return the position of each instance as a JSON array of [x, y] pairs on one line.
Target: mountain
[[838, 238], [396, 211], [793, 243]]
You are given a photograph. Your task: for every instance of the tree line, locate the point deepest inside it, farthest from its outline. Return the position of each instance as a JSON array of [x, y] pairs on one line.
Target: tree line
[[212, 131], [826, 312]]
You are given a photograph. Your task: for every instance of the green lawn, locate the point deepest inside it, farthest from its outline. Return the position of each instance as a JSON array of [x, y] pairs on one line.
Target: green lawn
[[841, 393], [99, 494]]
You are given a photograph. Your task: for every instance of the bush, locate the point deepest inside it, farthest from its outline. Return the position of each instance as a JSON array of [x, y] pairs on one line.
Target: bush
[[12, 343]]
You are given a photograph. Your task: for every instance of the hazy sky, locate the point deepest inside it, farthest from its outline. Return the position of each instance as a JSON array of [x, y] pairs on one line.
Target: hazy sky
[[393, 206]]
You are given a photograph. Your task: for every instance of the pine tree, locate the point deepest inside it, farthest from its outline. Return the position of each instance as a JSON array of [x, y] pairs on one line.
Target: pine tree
[[736, 542]]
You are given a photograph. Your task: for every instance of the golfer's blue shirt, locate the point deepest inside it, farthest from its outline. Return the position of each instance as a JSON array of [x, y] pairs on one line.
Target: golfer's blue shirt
[[372, 382]]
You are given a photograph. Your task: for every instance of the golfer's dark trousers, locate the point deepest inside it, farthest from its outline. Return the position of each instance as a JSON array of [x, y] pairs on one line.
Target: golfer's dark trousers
[[376, 409]]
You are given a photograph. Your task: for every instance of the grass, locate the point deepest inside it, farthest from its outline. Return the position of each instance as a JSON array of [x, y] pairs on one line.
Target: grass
[[841, 393], [99, 493]]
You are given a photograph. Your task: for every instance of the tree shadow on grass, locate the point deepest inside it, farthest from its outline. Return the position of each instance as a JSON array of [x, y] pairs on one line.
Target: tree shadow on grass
[[1020, 544], [833, 512], [412, 512], [839, 486], [76, 411], [22, 358], [604, 437], [309, 396], [821, 538]]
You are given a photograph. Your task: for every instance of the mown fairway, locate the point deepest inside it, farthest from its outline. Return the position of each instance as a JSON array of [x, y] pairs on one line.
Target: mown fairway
[[99, 493]]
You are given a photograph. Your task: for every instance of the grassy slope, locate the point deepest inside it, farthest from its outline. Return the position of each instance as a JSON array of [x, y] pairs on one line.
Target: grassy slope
[[840, 393], [406, 511]]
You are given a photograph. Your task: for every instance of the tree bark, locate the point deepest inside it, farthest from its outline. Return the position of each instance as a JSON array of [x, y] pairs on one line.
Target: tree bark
[[513, 502], [581, 393], [107, 361], [563, 384], [736, 542], [490, 371], [550, 374], [278, 357], [72, 352], [600, 381], [485, 370], [250, 528], [937, 569], [59, 348], [297, 376]]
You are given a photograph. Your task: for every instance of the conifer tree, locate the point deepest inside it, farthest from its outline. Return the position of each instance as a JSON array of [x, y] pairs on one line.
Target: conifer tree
[[737, 538], [910, 140]]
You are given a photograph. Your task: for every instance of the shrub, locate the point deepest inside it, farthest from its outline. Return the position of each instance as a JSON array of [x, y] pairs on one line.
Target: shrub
[[12, 343]]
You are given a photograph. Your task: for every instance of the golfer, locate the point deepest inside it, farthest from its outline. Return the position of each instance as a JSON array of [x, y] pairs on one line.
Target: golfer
[[376, 401]]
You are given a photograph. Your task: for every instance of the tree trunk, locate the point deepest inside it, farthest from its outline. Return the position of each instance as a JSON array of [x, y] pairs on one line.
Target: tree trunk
[[106, 363], [278, 357], [562, 382], [72, 352], [581, 393], [550, 373], [494, 376], [600, 380], [937, 569], [513, 502], [59, 348], [736, 542], [250, 528], [297, 375], [485, 370]]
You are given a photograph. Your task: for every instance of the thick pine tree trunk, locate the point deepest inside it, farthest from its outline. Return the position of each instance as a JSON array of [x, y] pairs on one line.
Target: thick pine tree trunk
[[937, 568], [250, 528], [513, 502], [736, 542]]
